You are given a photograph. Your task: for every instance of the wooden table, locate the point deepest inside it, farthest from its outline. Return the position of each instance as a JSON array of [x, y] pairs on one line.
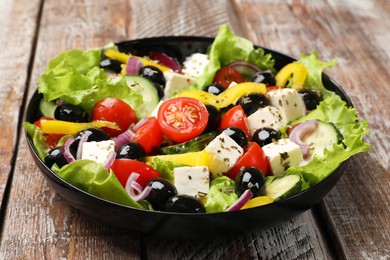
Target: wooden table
[[352, 222]]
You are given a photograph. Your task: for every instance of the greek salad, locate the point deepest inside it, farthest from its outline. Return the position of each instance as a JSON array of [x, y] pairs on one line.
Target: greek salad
[[221, 131]]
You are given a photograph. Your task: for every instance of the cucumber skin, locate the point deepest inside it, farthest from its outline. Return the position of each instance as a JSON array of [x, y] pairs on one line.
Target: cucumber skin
[[195, 145], [274, 185]]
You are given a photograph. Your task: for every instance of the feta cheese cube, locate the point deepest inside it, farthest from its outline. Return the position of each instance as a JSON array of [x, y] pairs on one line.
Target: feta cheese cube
[[176, 83], [289, 103], [192, 181], [282, 154], [97, 151], [223, 154], [268, 116], [195, 64]]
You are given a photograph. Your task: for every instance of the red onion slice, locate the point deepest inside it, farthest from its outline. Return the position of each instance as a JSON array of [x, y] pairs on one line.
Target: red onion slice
[[82, 140], [110, 159], [246, 69], [66, 150], [299, 132], [133, 66], [238, 204], [165, 60], [132, 186], [123, 138], [140, 123]]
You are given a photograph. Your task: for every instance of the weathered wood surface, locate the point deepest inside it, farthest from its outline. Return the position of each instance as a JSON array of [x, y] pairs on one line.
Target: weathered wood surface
[[16, 41], [38, 224]]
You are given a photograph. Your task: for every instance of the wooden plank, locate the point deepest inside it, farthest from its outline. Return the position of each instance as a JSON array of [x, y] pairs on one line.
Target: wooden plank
[[16, 43], [356, 34], [359, 208], [38, 223]]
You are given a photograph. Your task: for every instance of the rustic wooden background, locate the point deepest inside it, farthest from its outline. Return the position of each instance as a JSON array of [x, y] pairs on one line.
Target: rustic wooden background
[[352, 222]]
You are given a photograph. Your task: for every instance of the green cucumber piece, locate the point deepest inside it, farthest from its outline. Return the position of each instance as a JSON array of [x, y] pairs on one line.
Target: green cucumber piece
[[47, 108], [148, 91], [283, 187], [195, 145], [324, 136]]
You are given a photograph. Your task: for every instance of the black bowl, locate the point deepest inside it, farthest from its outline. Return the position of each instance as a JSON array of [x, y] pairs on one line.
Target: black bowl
[[180, 225]]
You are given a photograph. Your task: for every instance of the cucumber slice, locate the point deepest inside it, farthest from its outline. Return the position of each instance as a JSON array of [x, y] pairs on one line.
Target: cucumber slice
[[325, 135], [47, 108], [284, 187], [148, 91], [195, 145]]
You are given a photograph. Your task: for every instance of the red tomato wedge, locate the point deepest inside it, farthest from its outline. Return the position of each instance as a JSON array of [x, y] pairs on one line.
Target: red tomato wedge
[[253, 156], [182, 119], [235, 117], [149, 135], [226, 75], [124, 167], [114, 110]]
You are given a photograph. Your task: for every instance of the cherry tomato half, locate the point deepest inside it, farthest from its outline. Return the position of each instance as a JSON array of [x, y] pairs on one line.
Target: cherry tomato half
[[124, 167], [114, 110], [149, 135], [226, 75], [253, 156], [235, 117], [182, 119], [51, 139]]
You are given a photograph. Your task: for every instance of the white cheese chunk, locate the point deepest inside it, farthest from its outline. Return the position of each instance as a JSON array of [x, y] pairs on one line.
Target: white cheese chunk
[[268, 116], [195, 64], [176, 83], [223, 154], [192, 181], [282, 154], [289, 103], [97, 151]]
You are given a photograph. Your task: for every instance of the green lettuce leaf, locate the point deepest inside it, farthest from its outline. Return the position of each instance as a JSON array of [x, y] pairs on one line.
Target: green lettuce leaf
[[93, 178], [346, 120], [221, 194], [38, 139], [315, 67], [227, 48], [75, 77]]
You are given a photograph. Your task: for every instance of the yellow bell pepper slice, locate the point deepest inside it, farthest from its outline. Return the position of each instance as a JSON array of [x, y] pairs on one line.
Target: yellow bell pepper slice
[[258, 201], [227, 97], [191, 159], [122, 57], [71, 128], [297, 71]]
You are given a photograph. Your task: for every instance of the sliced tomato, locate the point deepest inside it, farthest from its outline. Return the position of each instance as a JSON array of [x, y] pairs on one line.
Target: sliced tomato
[[51, 139], [182, 119], [114, 110], [124, 167], [235, 117], [226, 75], [253, 156], [149, 135]]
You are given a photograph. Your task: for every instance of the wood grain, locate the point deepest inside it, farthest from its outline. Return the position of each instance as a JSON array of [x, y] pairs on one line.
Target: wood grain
[[39, 224], [16, 41]]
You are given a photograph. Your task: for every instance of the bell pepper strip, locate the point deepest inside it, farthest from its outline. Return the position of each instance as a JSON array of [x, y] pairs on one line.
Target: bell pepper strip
[[191, 159], [71, 128], [258, 201], [122, 57], [297, 71], [227, 97]]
